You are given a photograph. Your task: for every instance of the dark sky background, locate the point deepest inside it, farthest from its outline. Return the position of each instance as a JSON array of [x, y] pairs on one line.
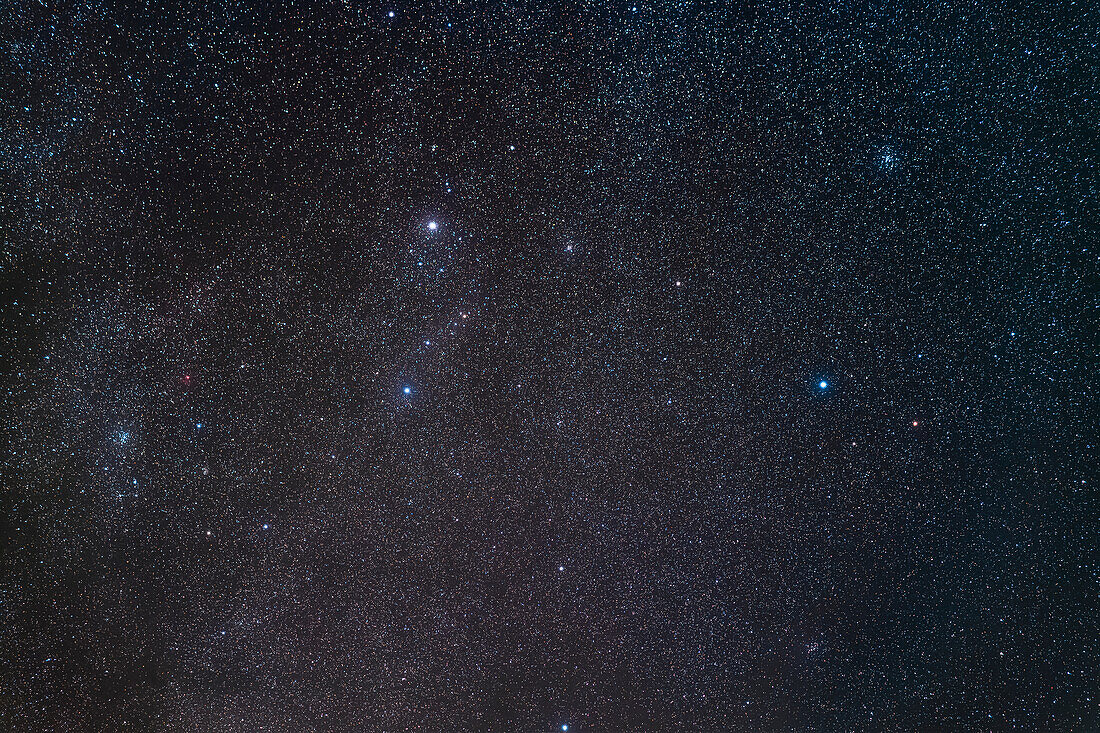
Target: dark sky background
[[508, 366]]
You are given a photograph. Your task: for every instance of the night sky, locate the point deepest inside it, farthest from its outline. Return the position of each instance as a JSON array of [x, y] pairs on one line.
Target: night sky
[[541, 367]]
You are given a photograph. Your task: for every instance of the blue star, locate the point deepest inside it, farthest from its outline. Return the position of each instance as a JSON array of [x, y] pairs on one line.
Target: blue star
[[823, 384], [407, 390], [198, 426]]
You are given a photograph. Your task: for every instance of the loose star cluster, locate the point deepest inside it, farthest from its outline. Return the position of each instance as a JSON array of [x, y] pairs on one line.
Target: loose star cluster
[[516, 367]]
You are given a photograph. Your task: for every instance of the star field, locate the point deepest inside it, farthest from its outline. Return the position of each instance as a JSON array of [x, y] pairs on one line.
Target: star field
[[537, 366]]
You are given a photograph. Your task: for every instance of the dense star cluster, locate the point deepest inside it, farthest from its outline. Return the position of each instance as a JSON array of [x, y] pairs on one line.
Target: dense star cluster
[[529, 366]]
